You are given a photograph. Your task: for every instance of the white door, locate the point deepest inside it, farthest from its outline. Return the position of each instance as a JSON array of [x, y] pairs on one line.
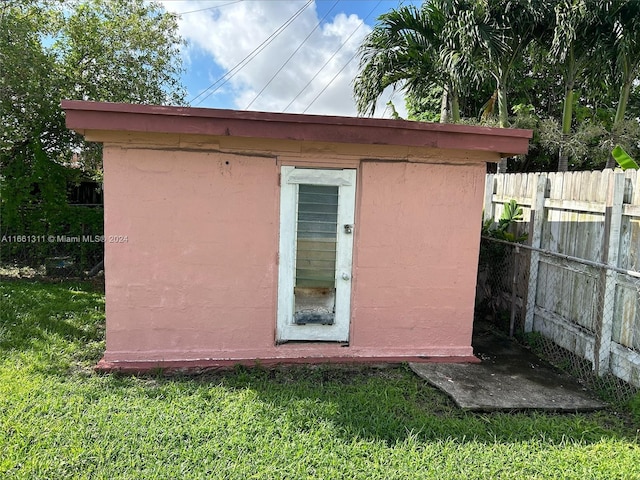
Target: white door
[[316, 245]]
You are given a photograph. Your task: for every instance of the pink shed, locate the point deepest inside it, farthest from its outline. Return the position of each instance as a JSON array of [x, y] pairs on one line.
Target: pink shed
[[242, 237]]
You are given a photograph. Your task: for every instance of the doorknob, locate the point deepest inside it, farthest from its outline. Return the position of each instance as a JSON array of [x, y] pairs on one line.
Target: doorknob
[[346, 276]]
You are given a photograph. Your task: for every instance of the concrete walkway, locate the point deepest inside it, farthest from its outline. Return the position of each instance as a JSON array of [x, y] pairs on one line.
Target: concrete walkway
[[509, 377]]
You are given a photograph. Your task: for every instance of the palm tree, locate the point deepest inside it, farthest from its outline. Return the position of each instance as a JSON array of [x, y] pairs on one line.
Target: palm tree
[[498, 33], [450, 43], [623, 50], [575, 36], [414, 49]]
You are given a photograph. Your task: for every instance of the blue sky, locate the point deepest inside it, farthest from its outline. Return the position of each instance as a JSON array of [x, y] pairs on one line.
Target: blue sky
[[307, 68]]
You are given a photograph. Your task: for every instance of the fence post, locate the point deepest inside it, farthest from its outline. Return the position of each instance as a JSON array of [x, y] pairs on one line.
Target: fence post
[[489, 209], [535, 226], [611, 241]]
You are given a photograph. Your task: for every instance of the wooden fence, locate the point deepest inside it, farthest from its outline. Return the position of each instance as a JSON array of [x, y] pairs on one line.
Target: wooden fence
[[581, 286]]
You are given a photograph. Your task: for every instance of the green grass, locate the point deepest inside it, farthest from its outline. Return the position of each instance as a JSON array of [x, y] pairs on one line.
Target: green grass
[[58, 419]]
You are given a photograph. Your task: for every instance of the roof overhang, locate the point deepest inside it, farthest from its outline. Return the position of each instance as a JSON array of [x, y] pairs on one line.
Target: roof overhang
[[84, 117]]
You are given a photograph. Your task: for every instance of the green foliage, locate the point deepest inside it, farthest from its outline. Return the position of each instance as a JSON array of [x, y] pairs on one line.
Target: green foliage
[[590, 145], [575, 62], [402, 51], [425, 108], [634, 407], [496, 263], [119, 51], [35, 205], [623, 158], [633, 107], [103, 50], [537, 158], [29, 88], [59, 419], [394, 112], [511, 214], [496, 260]]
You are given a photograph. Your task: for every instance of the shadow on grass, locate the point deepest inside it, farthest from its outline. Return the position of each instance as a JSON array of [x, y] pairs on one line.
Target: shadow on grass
[[37, 317], [391, 404]]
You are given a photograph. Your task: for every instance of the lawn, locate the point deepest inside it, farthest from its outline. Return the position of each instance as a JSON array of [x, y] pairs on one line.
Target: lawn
[[59, 419]]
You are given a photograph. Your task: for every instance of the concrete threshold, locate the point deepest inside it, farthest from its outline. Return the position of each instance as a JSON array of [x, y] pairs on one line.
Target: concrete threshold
[[509, 377]]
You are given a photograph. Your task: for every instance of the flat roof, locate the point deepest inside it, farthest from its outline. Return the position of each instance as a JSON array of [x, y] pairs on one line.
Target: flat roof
[[84, 116]]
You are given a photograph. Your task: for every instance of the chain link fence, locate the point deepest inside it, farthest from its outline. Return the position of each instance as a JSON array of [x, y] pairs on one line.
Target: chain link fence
[[69, 249], [581, 316]]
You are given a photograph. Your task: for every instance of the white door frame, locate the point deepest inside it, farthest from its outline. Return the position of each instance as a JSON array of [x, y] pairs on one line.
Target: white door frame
[[291, 177]]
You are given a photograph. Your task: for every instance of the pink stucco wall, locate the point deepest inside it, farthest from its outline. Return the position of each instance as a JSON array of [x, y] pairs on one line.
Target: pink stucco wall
[[196, 275], [416, 256], [196, 280]]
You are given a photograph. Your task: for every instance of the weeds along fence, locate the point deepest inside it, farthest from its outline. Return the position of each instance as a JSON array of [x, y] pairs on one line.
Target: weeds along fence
[[573, 291]]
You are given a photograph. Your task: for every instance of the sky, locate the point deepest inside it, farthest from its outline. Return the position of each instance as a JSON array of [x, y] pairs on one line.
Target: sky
[[294, 56]]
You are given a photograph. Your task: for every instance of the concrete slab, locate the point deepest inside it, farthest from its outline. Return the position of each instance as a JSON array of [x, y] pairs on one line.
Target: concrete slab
[[509, 377]]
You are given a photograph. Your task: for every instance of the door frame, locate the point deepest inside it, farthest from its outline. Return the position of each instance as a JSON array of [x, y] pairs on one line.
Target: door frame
[[345, 180]]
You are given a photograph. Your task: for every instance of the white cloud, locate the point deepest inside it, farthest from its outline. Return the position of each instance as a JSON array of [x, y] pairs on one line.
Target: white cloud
[[233, 31]]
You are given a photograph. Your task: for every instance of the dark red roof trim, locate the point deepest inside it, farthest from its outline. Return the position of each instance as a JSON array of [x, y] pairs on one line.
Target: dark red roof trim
[[84, 116], [203, 365]]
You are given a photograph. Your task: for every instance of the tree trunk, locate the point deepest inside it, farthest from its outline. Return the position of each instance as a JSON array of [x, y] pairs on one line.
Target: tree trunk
[[444, 105], [622, 102], [563, 158], [503, 110], [567, 109], [622, 107], [503, 115], [567, 116], [455, 106]]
